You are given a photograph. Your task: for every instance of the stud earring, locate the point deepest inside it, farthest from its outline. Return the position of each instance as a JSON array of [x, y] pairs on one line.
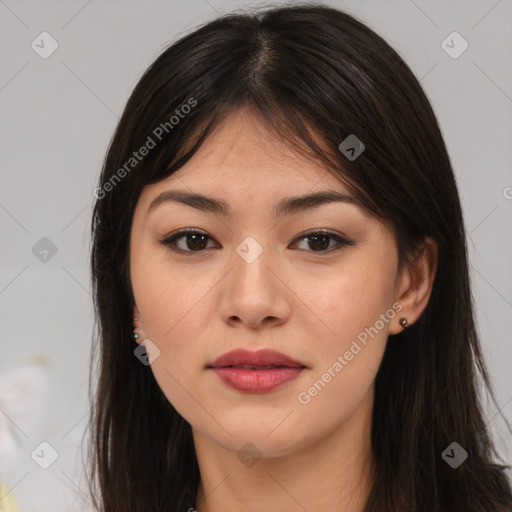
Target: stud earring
[[403, 322]]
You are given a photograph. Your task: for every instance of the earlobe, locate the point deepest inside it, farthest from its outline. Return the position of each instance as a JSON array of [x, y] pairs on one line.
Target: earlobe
[[416, 285]]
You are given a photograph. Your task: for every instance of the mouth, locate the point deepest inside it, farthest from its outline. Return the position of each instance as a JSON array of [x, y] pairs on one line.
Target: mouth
[[256, 372]]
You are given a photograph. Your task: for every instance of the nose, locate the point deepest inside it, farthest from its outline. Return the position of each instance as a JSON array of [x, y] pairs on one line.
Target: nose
[[255, 293]]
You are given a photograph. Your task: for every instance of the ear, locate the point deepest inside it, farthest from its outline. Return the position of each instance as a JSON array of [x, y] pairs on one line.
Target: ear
[[414, 284]]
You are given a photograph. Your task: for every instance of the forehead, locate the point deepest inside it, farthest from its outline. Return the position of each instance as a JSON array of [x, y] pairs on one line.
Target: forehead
[[243, 157]]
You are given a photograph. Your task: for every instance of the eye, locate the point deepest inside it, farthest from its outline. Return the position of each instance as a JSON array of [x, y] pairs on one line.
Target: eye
[[320, 241], [194, 240]]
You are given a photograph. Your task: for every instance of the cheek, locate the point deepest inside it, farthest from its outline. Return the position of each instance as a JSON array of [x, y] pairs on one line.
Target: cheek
[[171, 298], [349, 303], [173, 307], [350, 351]]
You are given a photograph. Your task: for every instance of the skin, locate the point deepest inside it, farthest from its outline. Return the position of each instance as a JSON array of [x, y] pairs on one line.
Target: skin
[[308, 303]]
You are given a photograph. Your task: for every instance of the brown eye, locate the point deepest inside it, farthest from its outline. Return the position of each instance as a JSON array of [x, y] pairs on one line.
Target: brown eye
[[193, 241], [319, 241]]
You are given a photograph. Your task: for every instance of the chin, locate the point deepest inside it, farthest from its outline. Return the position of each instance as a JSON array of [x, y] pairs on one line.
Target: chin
[[268, 438]]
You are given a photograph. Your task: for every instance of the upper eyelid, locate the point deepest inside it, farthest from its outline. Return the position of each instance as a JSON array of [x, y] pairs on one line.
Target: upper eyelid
[[198, 231]]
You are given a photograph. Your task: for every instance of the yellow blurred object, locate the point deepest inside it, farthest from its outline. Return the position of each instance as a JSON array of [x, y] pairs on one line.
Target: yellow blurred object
[[8, 502], [40, 359]]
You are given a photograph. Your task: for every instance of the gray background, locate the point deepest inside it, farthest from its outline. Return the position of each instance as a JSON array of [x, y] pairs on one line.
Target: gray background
[[58, 115]]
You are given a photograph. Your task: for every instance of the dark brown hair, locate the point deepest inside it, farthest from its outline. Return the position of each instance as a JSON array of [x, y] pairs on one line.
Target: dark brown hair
[[308, 71]]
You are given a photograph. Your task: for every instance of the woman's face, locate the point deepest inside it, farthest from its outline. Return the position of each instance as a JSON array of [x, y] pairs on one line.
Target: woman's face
[[255, 280]]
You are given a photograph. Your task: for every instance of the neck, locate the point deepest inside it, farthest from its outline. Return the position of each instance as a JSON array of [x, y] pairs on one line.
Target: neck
[[338, 467]]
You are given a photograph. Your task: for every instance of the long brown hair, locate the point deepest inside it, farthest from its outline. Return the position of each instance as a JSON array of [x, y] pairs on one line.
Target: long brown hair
[[308, 70]]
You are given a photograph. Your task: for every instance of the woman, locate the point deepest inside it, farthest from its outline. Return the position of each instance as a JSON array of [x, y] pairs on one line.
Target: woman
[[278, 222]]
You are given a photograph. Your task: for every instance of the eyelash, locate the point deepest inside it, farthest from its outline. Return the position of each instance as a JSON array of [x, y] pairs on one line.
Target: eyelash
[[170, 241]]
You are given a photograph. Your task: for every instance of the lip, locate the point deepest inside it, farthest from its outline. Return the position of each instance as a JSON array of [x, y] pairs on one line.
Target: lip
[[256, 380], [262, 357]]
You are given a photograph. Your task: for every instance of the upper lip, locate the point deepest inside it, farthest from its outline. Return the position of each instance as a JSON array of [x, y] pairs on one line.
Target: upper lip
[[261, 357]]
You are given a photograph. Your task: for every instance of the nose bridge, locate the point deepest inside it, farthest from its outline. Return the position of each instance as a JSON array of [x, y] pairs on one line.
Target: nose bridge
[[249, 250], [251, 263], [255, 293]]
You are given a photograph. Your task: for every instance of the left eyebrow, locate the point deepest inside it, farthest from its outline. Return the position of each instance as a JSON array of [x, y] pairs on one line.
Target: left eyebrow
[[287, 206]]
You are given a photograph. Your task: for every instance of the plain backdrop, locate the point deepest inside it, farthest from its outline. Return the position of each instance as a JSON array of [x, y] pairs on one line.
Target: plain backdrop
[[57, 117]]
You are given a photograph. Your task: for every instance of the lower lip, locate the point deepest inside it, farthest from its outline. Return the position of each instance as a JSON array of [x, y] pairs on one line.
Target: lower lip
[[257, 381]]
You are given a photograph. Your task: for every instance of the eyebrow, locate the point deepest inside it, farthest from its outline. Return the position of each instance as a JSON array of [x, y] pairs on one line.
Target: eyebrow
[[286, 206]]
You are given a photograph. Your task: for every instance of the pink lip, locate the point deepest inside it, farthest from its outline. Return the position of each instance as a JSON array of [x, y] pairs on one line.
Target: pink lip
[[256, 380], [261, 357]]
